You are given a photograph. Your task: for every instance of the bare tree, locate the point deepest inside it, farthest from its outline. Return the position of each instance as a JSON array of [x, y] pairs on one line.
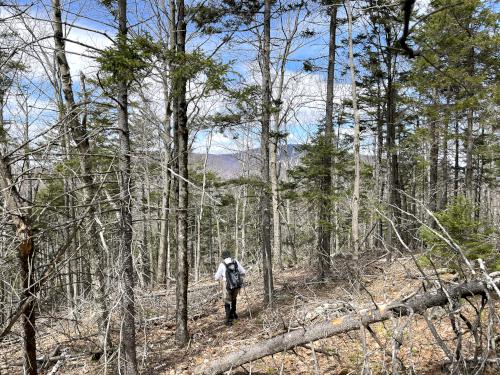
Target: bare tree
[[81, 139], [169, 43], [25, 250], [18, 211]]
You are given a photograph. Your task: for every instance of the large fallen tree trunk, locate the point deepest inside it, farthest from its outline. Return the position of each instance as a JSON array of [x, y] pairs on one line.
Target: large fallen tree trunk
[[417, 305]]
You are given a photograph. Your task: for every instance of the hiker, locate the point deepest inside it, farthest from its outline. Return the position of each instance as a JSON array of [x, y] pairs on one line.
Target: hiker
[[231, 273]]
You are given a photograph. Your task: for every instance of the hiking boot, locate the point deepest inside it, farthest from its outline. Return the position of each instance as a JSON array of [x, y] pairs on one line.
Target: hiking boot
[[233, 310], [229, 319]]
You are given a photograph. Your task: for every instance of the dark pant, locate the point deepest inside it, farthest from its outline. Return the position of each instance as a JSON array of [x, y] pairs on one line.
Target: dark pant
[[230, 295]]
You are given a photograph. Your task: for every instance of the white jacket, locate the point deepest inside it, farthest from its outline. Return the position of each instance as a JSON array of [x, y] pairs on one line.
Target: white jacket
[[221, 271]]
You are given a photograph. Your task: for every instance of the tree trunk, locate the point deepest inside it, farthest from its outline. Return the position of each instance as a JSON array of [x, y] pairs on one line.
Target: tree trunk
[[25, 249], [273, 169], [210, 239], [479, 181], [456, 166], [181, 331], [328, 178], [264, 147], [79, 133], [344, 324], [444, 162], [244, 223], [127, 359], [175, 147], [378, 167], [393, 172], [357, 167], [237, 224], [145, 266], [25, 252], [163, 273], [199, 219], [469, 144], [469, 141], [71, 286], [392, 154], [433, 158], [289, 245]]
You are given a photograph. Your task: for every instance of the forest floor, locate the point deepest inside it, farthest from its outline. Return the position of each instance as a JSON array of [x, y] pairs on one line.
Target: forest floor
[[300, 300]]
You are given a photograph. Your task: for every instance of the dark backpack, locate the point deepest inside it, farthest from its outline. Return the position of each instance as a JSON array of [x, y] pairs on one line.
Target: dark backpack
[[233, 276]]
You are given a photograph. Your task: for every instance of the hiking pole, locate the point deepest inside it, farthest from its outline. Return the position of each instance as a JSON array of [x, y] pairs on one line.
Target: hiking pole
[[248, 304]]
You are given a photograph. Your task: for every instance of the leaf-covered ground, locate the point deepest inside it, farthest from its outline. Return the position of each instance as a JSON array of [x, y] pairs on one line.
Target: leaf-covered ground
[[300, 301]]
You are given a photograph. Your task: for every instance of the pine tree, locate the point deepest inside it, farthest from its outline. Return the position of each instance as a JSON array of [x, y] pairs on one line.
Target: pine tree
[[455, 75]]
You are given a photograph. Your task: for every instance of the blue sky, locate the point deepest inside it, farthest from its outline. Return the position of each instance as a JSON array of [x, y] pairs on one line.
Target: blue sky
[[305, 91]]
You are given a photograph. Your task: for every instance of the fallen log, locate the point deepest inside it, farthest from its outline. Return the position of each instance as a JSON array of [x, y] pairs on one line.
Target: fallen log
[[417, 305]]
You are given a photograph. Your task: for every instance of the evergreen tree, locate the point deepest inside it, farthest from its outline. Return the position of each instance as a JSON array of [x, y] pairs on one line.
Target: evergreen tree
[[456, 74]]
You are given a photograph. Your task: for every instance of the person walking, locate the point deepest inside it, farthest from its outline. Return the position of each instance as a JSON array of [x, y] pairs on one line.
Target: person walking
[[230, 274]]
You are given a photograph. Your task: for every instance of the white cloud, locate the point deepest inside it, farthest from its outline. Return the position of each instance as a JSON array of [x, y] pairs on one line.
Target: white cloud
[[225, 142], [77, 53], [302, 108], [36, 37]]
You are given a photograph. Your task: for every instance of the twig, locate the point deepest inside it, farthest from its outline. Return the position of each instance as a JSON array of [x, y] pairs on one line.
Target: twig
[[488, 277]]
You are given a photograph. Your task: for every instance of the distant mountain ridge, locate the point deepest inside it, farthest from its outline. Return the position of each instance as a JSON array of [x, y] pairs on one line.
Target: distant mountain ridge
[[232, 165]]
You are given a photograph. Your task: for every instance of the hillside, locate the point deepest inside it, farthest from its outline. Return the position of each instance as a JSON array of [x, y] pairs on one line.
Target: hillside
[[300, 301], [345, 152]]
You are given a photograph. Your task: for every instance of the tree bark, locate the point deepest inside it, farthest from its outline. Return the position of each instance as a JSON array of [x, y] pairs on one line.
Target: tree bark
[[19, 214], [145, 269], [392, 153], [346, 323], [163, 271], [25, 252], [469, 142], [456, 165], [273, 170], [357, 167], [181, 331], [199, 218], [433, 158], [163, 268], [79, 133], [264, 148], [128, 356], [327, 179], [444, 162], [378, 167]]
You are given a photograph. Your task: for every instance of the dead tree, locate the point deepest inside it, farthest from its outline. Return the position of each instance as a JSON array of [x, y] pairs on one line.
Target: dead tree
[[19, 213], [80, 136], [25, 251]]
